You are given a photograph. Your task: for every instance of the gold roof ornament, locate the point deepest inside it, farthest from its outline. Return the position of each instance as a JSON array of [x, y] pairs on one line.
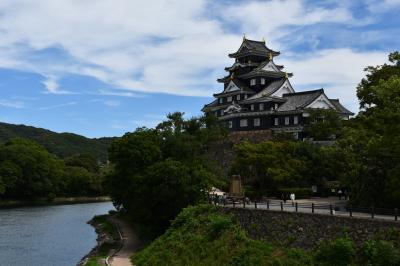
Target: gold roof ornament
[[244, 36], [286, 75], [263, 39], [270, 56]]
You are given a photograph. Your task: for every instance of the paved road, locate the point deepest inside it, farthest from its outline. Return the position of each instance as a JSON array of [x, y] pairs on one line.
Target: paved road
[[131, 243], [324, 209]]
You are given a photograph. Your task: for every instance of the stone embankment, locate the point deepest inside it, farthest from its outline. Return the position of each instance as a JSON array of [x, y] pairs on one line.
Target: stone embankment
[[305, 230]]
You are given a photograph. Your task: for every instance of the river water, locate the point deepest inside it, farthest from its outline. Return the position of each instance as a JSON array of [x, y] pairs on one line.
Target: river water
[[48, 236]]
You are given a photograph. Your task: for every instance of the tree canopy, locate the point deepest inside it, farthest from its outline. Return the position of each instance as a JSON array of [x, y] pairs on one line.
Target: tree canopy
[[157, 172]]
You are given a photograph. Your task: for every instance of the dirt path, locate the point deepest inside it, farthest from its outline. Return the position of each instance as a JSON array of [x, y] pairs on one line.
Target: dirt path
[[130, 242]]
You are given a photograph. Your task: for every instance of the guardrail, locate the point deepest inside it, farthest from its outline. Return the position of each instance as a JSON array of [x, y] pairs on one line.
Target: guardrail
[[313, 208]]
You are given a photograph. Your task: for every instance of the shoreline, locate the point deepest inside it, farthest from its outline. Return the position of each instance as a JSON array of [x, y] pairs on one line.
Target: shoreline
[[9, 204], [109, 241]]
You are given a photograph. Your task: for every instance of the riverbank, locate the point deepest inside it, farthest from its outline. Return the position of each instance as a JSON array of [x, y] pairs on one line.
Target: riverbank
[[116, 242], [6, 204], [109, 241]]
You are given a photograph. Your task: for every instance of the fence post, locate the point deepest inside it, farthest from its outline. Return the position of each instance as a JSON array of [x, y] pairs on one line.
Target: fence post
[[267, 204], [372, 212], [244, 202], [330, 209], [396, 213], [297, 209], [281, 205], [350, 211], [255, 204], [312, 207]]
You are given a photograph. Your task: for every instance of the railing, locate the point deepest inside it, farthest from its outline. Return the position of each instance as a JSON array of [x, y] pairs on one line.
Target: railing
[[313, 208]]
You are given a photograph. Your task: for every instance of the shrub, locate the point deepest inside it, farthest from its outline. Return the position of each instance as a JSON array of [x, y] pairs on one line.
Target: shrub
[[336, 253], [379, 253]]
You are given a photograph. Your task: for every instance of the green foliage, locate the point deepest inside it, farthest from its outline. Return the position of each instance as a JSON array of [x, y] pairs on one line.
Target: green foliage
[[368, 90], [323, 124], [61, 144], [157, 172], [380, 253], [373, 137], [339, 252], [201, 235], [271, 166], [27, 170]]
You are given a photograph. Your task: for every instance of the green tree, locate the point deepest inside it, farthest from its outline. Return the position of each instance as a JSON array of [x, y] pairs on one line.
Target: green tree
[[157, 172], [373, 136], [368, 91], [29, 170], [323, 124]]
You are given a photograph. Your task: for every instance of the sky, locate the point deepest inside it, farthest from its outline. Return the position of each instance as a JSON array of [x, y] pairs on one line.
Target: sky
[[105, 67]]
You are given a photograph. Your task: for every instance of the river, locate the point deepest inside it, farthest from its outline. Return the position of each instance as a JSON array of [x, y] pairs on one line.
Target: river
[[48, 236]]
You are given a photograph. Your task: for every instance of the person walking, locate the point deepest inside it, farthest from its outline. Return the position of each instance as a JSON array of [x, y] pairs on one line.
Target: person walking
[[292, 198]]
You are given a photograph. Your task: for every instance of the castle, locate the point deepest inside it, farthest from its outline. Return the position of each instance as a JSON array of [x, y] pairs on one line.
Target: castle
[[258, 96]]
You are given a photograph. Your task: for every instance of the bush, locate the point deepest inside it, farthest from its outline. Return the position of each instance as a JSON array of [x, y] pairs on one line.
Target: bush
[[379, 253], [336, 253]]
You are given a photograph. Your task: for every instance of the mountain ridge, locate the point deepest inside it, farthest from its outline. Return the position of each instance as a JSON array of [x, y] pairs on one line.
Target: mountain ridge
[[63, 144]]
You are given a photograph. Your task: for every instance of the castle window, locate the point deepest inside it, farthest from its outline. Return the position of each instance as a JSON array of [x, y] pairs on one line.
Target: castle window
[[222, 112], [220, 100], [276, 106], [238, 97], [245, 96], [252, 82], [261, 107], [229, 98], [276, 121], [296, 120], [262, 81], [230, 124], [216, 113], [243, 122], [252, 107], [257, 122], [286, 120]]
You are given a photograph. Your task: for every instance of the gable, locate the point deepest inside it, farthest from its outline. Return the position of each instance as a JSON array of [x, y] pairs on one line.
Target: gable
[[271, 67], [322, 102], [285, 88], [231, 87]]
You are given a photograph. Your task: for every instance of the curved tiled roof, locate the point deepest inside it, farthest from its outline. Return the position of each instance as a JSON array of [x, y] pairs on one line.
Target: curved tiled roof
[[299, 100]]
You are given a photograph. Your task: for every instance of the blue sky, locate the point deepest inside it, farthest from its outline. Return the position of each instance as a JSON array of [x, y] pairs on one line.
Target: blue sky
[[104, 67]]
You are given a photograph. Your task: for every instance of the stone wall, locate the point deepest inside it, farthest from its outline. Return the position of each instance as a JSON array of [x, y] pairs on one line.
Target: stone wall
[[252, 136], [308, 230]]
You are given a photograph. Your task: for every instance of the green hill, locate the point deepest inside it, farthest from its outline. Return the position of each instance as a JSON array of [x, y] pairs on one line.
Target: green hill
[[61, 144]]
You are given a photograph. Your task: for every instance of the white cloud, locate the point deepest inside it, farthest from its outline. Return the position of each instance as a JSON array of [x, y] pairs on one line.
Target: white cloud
[[12, 104], [111, 103], [52, 86], [339, 71], [159, 46], [58, 106]]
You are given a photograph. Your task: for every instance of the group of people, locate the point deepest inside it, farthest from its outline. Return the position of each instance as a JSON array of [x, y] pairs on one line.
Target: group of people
[[286, 196]]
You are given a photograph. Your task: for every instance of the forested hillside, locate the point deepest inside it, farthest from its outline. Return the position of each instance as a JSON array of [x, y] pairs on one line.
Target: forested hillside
[[60, 144]]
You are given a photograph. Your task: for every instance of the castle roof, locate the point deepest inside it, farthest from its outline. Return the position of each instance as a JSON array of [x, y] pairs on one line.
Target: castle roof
[[251, 47], [299, 100]]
